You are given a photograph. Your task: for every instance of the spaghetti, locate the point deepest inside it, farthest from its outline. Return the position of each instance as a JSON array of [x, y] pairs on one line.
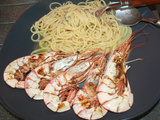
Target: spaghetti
[[70, 28]]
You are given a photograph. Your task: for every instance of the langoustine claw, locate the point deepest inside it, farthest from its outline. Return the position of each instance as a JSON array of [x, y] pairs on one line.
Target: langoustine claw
[[66, 81], [38, 78], [14, 74], [86, 104]]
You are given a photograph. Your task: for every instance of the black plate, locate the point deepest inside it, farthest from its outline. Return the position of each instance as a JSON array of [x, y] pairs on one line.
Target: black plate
[[143, 75]]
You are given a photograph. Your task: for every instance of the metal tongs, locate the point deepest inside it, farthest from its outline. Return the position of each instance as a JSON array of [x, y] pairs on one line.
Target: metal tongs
[[131, 16], [132, 3]]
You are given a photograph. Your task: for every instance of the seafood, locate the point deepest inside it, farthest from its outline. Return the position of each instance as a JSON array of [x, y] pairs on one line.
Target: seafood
[[58, 95], [86, 104], [39, 77], [14, 73], [114, 91]]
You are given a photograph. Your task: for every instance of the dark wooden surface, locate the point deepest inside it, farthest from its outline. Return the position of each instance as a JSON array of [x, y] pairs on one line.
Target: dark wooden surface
[[10, 11]]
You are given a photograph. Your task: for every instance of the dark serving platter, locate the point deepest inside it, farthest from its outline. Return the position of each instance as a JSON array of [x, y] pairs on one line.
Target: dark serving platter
[[144, 76]]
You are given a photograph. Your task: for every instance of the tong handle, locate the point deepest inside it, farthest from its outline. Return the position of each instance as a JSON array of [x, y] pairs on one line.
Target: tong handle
[[152, 21], [135, 3]]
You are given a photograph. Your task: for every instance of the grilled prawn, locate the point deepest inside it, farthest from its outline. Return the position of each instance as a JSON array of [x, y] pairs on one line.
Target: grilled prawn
[[114, 91], [86, 104], [15, 72], [38, 78], [59, 93]]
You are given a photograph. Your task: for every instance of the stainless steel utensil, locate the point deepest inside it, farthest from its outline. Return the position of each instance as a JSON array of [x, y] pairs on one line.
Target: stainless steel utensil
[[133, 3], [131, 16]]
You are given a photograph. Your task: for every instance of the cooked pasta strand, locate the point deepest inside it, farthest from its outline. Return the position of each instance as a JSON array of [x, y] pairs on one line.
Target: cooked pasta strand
[[72, 28]]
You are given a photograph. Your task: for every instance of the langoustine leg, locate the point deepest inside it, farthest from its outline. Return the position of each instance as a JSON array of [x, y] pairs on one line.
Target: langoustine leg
[[38, 78]]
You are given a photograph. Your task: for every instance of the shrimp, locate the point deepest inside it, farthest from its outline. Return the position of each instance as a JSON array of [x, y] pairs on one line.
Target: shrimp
[[38, 78], [58, 95], [14, 73], [86, 104], [114, 92]]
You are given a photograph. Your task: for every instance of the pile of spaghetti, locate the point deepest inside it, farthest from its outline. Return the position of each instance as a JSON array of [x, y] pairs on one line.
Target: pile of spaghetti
[[70, 28]]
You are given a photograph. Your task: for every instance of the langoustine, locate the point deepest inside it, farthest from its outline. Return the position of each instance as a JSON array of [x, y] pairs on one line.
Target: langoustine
[[60, 92], [14, 73], [114, 92], [86, 104], [39, 77]]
